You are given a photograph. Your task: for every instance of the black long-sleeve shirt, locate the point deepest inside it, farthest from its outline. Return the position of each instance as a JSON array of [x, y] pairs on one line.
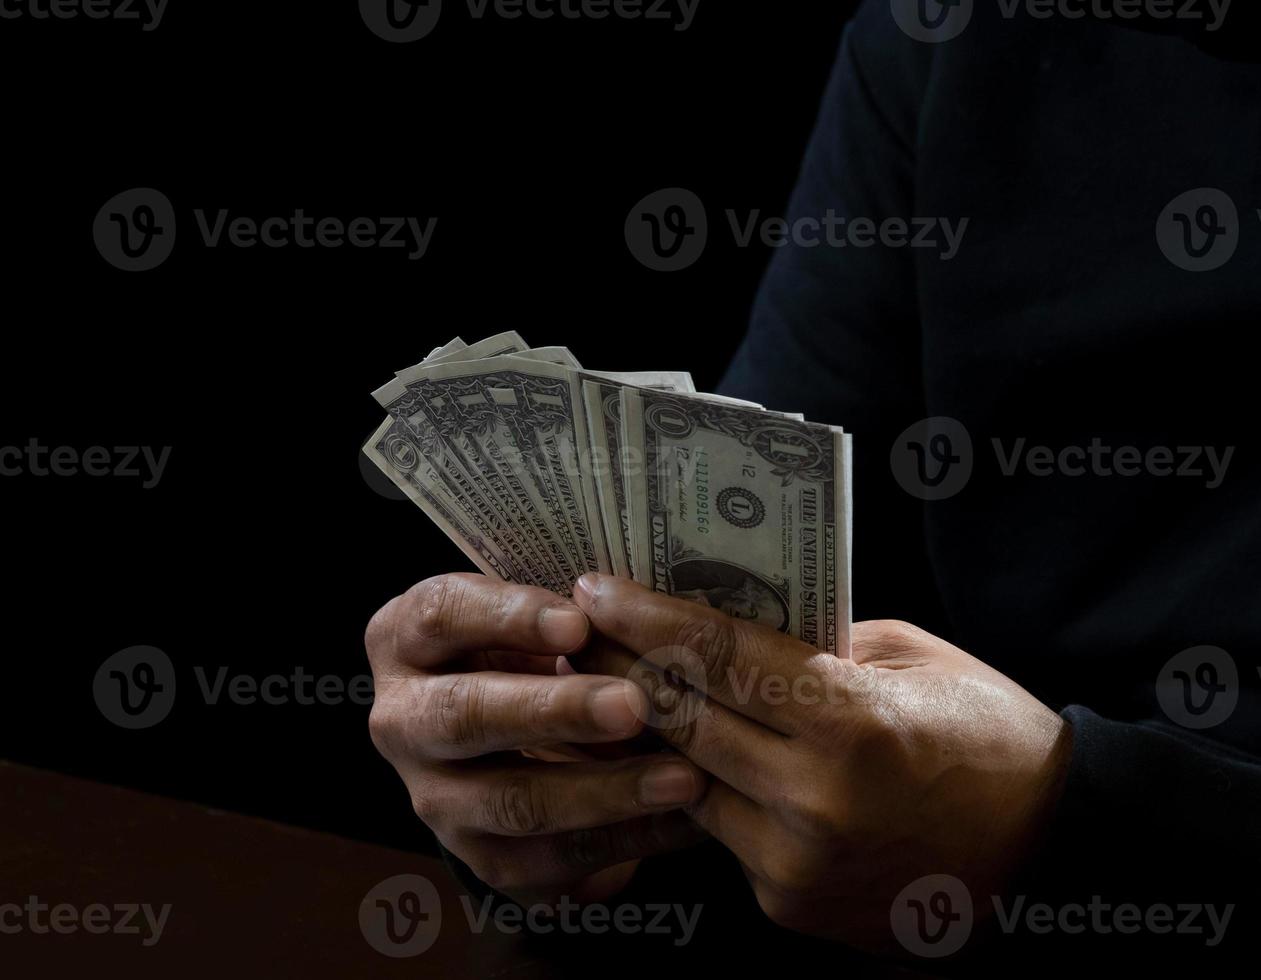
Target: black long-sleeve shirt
[[1059, 320]]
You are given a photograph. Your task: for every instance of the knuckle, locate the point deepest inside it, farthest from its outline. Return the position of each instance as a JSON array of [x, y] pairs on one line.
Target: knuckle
[[792, 868], [685, 735], [860, 691], [595, 848], [582, 850], [888, 636], [458, 710], [876, 737], [817, 814], [424, 805], [823, 727], [777, 907], [393, 720], [382, 728], [542, 709], [379, 636], [436, 606], [712, 639], [517, 807], [649, 835], [496, 873]]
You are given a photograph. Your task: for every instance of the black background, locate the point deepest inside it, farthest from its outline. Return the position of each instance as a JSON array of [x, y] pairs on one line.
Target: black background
[[263, 548]]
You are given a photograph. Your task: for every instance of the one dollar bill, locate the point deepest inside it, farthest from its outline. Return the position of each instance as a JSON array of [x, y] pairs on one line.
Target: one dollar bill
[[742, 510]]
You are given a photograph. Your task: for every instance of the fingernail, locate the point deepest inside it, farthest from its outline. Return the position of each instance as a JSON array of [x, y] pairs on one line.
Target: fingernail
[[588, 586], [670, 785], [613, 709], [563, 627]]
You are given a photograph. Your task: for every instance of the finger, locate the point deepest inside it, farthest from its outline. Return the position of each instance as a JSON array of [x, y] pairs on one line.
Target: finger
[[734, 748], [560, 752], [528, 799], [506, 662], [523, 864], [735, 662], [450, 615], [603, 847], [741, 824], [460, 716]]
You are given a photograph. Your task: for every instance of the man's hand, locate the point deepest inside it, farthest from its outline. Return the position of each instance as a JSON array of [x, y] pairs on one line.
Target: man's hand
[[466, 676], [839, 782]]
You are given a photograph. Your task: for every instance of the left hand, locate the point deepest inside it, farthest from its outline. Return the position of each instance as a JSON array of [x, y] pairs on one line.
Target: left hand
[[839, 782]]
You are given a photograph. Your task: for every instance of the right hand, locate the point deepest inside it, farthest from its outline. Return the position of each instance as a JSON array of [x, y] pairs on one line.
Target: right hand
[[465, 672]]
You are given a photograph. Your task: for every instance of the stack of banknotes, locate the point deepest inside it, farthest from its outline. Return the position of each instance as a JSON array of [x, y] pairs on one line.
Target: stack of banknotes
[[540, 471]]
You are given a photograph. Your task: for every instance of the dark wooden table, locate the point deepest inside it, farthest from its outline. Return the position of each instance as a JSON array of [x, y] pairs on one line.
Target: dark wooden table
[[247, 898]]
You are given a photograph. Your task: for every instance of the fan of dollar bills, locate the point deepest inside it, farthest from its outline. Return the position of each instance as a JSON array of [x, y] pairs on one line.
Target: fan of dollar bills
[[540, 471]]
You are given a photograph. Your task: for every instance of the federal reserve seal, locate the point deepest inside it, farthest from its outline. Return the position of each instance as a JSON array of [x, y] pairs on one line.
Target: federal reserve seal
[[741, 508]]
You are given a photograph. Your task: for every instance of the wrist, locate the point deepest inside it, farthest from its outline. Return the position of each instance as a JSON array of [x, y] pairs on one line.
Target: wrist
[[1051, 741]]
